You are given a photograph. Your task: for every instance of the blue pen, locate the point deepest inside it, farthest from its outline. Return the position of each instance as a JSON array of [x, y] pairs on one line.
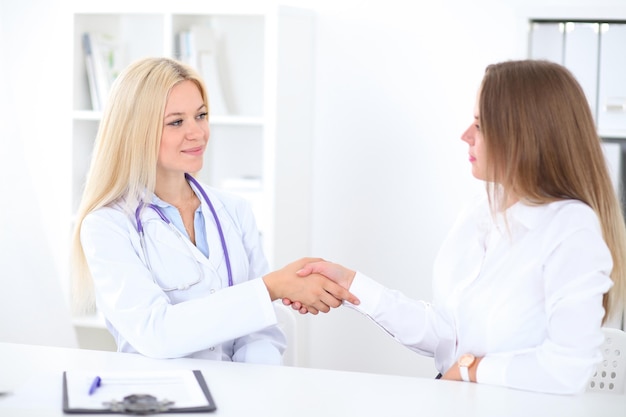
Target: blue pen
[[94, 385]]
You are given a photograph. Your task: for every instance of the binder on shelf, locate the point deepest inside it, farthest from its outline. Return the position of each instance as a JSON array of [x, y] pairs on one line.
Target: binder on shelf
[[102, 63], [200, 47], [90, 67], [136, 392]]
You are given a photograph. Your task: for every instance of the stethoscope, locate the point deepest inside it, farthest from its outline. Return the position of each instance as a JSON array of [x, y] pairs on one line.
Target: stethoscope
[[167, 221]]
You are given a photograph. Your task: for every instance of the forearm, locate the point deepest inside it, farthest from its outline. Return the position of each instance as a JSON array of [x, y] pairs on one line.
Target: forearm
[[547, 369], [156, 328], [413, 323]]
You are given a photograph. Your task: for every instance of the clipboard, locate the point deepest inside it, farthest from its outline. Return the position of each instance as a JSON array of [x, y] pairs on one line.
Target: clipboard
[[136, 392]]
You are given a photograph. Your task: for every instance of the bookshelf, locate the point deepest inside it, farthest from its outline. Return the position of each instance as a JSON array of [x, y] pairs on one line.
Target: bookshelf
[[261, 142], [592, 49]]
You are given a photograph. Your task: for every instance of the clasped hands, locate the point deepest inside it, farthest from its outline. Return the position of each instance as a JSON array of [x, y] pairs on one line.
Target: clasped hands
[[311, 285]]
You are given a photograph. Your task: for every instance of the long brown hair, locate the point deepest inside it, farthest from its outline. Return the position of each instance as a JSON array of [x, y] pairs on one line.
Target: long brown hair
[[542, 146]]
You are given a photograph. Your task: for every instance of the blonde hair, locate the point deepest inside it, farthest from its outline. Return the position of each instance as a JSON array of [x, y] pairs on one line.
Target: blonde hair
[[542, 146], [124, 160]]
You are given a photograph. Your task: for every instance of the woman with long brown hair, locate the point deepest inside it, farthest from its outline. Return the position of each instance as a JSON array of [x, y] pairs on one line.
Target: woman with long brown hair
[[527, 275]]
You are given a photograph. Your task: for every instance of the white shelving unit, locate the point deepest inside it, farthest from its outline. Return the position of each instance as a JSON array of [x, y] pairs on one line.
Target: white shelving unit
[[261, 148], [592, 49]]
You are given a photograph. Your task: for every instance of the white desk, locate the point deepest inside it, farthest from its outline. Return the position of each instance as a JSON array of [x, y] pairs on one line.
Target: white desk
[[34, 373]]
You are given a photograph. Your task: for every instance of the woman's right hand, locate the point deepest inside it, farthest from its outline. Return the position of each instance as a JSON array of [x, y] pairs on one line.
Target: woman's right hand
[[335, 272], [313, 291], [338, 273]]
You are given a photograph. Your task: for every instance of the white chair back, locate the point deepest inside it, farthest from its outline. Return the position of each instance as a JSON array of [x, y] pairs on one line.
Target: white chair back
[[287, 323], [610, 377]]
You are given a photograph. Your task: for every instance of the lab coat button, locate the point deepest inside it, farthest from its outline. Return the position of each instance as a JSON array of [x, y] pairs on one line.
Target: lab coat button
[[212, 290], [212, 348]]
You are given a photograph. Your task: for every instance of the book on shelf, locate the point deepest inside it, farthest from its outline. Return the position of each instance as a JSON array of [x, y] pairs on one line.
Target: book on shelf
[[200, 47], [102, 63]]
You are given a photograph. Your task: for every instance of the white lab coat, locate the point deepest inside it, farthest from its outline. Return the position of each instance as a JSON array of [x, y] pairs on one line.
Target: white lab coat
[[210, 319]]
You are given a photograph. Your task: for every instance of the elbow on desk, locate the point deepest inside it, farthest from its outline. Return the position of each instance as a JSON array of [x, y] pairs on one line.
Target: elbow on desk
[[156, 341], [572, 380], [154, 347], [160, 344]]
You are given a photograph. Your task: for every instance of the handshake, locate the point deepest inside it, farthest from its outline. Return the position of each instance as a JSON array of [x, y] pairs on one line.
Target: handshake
[[311, 285]]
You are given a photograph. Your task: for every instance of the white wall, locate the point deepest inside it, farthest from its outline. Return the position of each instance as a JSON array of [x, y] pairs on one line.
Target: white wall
[[395, 88], [32, 309], [35, 114]]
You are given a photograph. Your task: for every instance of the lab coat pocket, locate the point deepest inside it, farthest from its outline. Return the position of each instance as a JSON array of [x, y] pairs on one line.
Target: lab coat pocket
[[171, 259], [167, 238]]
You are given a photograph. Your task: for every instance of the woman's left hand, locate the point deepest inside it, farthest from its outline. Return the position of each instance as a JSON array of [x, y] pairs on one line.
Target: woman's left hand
[[454, 374]]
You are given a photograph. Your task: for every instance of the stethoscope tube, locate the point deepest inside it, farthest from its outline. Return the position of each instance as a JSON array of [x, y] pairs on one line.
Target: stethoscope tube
[[217, 223], [169, 223]]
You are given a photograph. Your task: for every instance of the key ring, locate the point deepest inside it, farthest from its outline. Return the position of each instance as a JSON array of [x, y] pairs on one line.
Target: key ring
[[140, 404]]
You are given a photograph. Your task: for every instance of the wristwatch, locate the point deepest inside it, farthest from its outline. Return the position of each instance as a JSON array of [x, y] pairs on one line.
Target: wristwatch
[[465, 361]]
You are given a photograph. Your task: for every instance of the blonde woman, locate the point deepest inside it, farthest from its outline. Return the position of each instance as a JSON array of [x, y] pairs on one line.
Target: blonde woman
[[176, 267], [526, 276]]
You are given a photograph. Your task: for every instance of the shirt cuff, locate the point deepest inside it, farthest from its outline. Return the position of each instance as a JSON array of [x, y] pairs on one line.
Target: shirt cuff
[[367, 291], [492, 369], [257, 290]]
